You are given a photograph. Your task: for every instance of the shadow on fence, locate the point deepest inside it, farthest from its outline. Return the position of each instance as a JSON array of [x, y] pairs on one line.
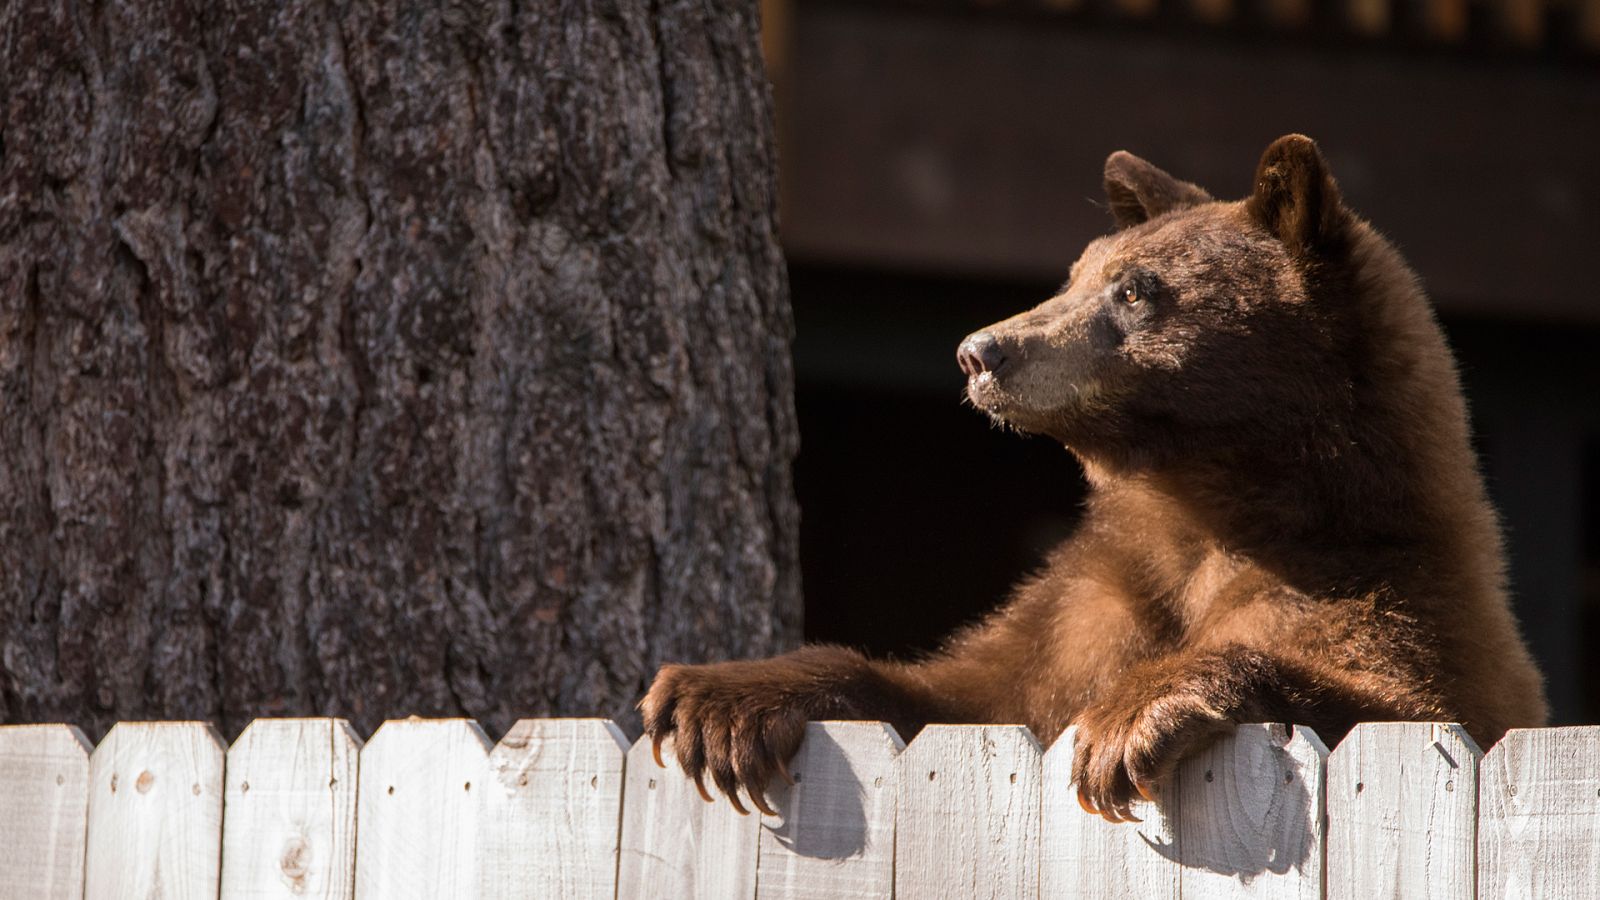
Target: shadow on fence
[[565, 808]]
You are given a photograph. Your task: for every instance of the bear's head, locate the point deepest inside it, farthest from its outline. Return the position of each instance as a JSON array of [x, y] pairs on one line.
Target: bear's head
[[1197, 324]]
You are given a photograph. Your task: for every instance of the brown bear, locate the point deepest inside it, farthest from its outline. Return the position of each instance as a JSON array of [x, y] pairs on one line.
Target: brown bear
[[1286, 520]]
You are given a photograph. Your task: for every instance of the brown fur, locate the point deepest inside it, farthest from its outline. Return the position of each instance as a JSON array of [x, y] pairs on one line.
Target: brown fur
[[1287, 521]]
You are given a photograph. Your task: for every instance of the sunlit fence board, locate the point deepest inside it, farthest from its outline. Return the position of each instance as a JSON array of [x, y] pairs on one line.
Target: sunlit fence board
[[1402, 812], [834, 836], [44, 810], [155, 812], [968, 817], [563, 808], [417, 815], [675, 844], [1250, 816], [550, 810], [1539, 815], [289, 816], [1084, 856]]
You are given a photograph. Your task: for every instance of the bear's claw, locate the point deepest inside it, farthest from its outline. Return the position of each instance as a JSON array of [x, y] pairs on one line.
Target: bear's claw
[[721, 728]]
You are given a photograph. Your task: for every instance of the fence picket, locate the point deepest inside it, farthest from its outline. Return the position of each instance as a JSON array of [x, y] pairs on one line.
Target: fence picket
[[1083, 855], [1250, 815], [289, 816], [1402, 812], [155, 812], [1539, 815], [834, 837], [44, 811], [968, 819], [563, 808], [674, 844], [550, 811], [417, 812]]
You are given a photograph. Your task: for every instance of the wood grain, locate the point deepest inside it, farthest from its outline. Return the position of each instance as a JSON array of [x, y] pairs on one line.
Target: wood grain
[[1084, 856], [44, 811], [1539, 815], [675, 844], [155, 813], [968, 819], [834, 836], [1402, 812], [417, 813], [289, 815], [550, 809], [1250, 816]]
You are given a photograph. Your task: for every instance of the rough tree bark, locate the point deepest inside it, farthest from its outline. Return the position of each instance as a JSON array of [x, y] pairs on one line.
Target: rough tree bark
[[376, 358]]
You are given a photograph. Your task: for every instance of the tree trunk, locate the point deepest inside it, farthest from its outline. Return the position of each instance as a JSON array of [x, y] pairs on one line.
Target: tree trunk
[[373, 359]]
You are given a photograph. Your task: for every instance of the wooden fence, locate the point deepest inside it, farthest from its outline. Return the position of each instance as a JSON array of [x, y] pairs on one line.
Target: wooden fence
[[565, 808]]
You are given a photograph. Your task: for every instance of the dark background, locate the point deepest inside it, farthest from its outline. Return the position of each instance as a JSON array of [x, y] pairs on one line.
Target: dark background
[[941, 166]]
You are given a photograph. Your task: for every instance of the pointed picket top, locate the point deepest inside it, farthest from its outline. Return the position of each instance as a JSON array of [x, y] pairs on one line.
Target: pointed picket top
[[416, 812], [155, 812], [675, 844], [1083, 855], [834, 833], [550, 811], [44, 792], [1402, 812], [968, 814], [289, 817], [1539, 815], [1250, 815]]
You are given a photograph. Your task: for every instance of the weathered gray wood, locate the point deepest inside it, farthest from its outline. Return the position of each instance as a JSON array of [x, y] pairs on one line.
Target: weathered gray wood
[[1083, 855], [417, 815], [674, 844], [967, 825], [155, 812], [1402, 812], [834, 836], [1250, 816], [289, 816], [1539, 815], [550, 811], [44, 810]]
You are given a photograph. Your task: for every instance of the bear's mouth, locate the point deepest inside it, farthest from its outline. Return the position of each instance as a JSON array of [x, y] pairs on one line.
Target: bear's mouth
[[984, 392], [1005, 399]]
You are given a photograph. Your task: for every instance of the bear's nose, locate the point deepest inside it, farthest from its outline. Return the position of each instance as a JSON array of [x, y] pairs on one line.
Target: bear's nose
[[980, 353]]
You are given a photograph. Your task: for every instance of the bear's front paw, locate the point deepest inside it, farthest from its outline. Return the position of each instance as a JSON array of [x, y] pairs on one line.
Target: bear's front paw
[[733, 721], [1131, 750]]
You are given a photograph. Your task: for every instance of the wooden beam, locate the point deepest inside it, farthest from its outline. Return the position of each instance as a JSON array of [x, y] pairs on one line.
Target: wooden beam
[[974, 144]]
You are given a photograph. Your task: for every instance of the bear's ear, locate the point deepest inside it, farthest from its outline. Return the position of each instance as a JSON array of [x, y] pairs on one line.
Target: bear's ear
[[1295, 196], [1139, 191]]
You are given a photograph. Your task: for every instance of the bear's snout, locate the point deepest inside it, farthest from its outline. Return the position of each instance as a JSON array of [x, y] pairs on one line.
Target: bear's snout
[[980, 353]]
